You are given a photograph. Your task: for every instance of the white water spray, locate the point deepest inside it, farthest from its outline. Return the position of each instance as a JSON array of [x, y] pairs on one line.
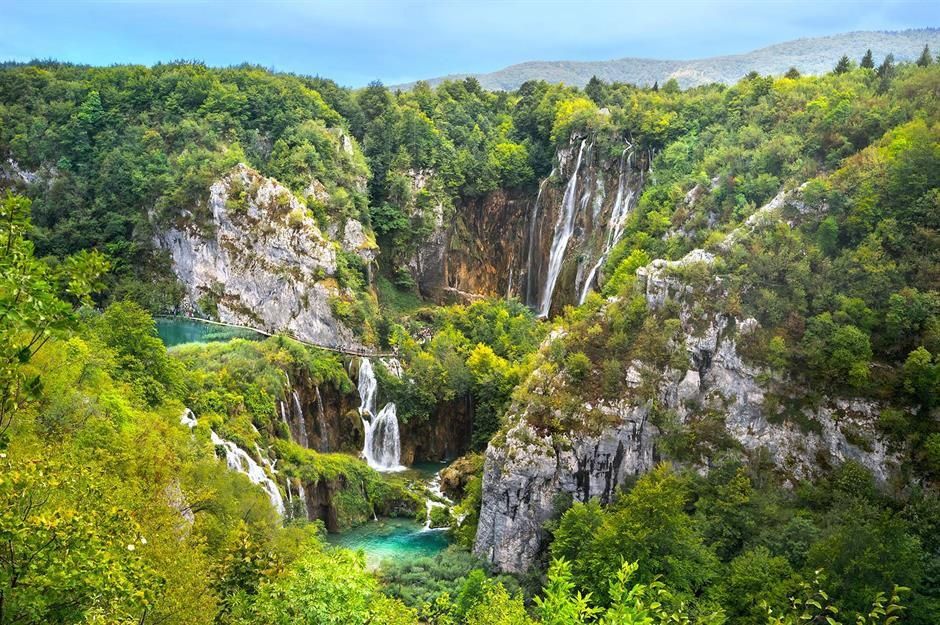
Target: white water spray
[[299, 415], [618, 218], [321, 423], [435, 501], [563, 229], [382, 445], [239, 460]]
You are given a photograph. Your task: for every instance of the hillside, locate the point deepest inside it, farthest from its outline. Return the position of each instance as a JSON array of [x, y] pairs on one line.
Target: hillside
[[810, 56], [679, 349]]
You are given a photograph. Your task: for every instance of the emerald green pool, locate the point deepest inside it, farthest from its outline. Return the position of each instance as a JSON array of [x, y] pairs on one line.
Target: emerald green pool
[[391, 539], [399, 540], [179, 330]]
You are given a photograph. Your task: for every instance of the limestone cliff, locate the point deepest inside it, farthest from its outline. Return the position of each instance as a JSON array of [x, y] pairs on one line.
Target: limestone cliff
[[602, 442], [505, 242], [262, 260]]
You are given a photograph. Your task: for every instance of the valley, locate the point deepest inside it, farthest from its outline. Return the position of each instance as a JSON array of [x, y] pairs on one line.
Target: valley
[[278, 351]]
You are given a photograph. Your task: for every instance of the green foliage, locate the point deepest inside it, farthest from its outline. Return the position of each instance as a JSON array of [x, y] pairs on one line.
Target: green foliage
[[129, 331], [326, 586], [69, 549], [36, 304]]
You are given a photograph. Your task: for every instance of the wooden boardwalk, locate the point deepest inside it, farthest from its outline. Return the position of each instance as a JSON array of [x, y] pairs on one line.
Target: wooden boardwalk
[[348, 350]]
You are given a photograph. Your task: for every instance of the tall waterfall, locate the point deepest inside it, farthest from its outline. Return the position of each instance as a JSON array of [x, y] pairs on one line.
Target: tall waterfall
[[618, 217], [382, 445], [563, 229], [299, 415], [532, 277], [321, 423]]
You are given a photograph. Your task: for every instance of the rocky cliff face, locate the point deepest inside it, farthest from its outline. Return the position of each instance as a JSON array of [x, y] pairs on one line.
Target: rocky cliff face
[[262, 260], [502, 244], [526, 468]]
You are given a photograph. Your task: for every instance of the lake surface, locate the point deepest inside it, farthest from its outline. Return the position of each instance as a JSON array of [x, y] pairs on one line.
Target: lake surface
[[392, 539], [179, 330], [400, 540]]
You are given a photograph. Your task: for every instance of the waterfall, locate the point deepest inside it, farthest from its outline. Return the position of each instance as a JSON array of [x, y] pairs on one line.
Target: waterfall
[[284, 417], [563, 229], [382, 445], [188, 419], [531, 274], [304, 441], [239, 460], [434, 487], [321, 423], [368, 385], [618, 216], [302, 494]]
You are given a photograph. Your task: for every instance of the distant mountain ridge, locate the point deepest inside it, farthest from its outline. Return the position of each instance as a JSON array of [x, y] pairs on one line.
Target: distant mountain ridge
[[812, 55]]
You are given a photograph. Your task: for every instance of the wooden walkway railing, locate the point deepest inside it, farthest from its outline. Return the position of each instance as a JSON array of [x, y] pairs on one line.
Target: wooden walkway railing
[[349, 350]]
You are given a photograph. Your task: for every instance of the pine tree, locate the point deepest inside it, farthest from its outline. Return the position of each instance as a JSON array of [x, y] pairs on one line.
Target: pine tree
[[868, 62], [925, 58], [886, 70], [595, 90], [843, 65], [656, 86], [793, 73]]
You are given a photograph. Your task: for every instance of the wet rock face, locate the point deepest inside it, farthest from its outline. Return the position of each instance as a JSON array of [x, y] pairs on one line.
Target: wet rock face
[[525, 471], [500, 244], [445, 435], [262, 261]]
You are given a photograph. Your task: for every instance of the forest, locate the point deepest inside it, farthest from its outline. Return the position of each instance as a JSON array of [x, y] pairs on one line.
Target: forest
[[112, 511]]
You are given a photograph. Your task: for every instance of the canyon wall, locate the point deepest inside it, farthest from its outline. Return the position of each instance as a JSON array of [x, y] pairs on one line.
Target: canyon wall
[[543, 246], [528, 467]]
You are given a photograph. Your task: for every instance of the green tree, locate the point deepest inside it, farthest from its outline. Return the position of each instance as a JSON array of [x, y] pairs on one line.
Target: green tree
[[922, 377], [925, 58], [843, 66], [37, 303], [69, 551], [329, 587], [131, 332], [868, 61]]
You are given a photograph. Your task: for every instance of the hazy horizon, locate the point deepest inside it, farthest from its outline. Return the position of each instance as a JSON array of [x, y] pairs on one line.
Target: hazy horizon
[[357, 42]]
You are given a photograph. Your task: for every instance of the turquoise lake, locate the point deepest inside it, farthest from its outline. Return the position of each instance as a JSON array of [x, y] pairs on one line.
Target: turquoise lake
[[401, 540], [175, 331], [392, 539]]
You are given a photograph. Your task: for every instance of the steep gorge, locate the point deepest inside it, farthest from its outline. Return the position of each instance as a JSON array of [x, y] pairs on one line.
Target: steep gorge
[[544, 246]]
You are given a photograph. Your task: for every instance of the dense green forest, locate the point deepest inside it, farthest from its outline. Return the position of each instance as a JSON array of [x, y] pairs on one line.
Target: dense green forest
[[112, 511]]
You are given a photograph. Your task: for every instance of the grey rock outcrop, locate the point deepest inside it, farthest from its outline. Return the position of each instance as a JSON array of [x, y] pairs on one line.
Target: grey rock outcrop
[[524, 477], [526, 471], [262, 261]]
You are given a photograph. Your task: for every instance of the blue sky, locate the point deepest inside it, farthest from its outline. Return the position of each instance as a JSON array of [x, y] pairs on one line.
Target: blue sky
[[357, 41]]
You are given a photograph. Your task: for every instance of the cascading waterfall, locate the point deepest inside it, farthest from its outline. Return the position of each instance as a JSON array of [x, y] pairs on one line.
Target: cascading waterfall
[[435, 501], [563, 230], [321, 423], [299, 415], [618, 216], [284, 416], [382, 445], [531, 274], [302, 494], [239, 460]]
